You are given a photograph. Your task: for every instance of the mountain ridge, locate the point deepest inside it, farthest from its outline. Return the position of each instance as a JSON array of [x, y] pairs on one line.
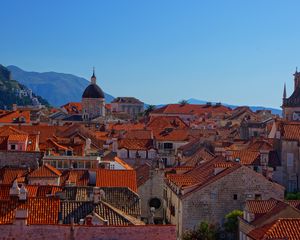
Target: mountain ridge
[[13, 92], [46, 84], [52, 84]]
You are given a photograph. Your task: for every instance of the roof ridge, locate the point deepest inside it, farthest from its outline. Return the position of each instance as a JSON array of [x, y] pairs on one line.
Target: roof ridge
[[128, 217]]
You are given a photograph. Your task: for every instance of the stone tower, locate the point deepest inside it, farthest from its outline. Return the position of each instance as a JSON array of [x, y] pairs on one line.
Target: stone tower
[[291, 106], [93, 102]]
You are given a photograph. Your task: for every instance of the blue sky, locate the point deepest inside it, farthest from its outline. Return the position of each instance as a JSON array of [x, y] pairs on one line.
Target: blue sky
[[160, 51]]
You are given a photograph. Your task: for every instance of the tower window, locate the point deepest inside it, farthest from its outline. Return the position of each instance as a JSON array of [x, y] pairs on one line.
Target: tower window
[[235, 196]]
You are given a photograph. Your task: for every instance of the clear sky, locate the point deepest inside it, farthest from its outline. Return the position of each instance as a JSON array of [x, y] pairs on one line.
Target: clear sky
[[160, 51]]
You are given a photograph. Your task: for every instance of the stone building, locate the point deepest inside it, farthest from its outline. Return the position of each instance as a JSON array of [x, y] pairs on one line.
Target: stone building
[[129, 105], [291, 105], [150, 182], [261, 216], [93, 101], [211, 190], [289, 134]]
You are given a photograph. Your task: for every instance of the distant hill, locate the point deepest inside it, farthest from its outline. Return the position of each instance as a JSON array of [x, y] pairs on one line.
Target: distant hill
[[11, 91], [57, 88], [253, 108]]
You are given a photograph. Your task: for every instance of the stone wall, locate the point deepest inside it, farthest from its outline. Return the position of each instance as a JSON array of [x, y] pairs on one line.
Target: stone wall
[[20, 158], [153, 188], [45, 232], [212, 202], [291, 170]]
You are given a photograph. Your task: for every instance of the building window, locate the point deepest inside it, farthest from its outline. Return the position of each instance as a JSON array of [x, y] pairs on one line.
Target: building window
[[255, 168], [80, 164], [59, 164], [13, 147], [88, 164], [290, 159], [172, 210], [257, 196], [155, 202], [235, 196], [66, 164], [168, 145]]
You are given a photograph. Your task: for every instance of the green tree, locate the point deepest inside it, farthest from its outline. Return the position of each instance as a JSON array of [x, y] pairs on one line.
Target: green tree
[[183, 102], [293, 196], [231, 223], [149, 109], [204, 231]]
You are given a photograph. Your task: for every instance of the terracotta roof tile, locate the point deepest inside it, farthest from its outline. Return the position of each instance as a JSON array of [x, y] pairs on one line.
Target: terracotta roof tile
[[142, 174], [73, 107], [136, 144], [116, 178], [126, 126], [18, 137], [78, 177], [284, 228], [290, 130], [203, 174], [139, 134], [247, 157], [8, 175], [172, 135], [162, 122], [45, 171], [191, 109], [15, 116], [40, 210]]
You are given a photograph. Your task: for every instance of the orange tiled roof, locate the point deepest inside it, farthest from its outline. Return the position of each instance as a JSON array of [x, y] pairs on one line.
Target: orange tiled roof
[[139, 134], [290, 130], [12, 116], [78, 177], [40, 210], [246, 156], [52, 142], [4, 191], [8, 130], [33, 191], [73, 107], [193, 109], [126, 126], [203, 174], [45, 171], [142, 174], [284, 228], [18, 137], [45, 132], [294, 203], [136, 144], [258, 207], [8, 175], [162, 122], [262, 209], [116, 178], [172, 135]]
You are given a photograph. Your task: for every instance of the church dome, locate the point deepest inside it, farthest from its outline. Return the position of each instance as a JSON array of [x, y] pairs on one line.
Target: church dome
[[93, 91]]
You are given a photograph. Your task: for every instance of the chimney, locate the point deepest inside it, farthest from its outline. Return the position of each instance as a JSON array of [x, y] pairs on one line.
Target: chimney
[[14, 190], [21, 217], [88, 220], [264, 157], [96, 195], [229, 156], [23, 193]]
